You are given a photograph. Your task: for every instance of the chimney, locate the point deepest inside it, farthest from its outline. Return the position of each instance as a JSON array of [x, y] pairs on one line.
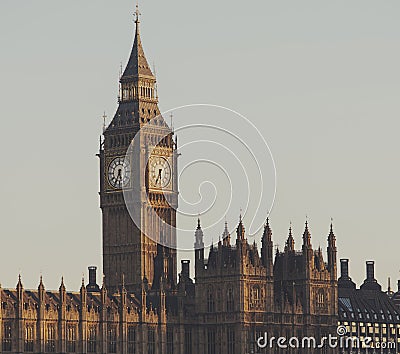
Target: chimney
[[92, 286], [370, 271], [344, 268], [185, 268]]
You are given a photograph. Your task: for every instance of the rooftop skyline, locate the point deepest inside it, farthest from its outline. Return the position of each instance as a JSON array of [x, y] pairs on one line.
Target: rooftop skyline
[[320, 82]]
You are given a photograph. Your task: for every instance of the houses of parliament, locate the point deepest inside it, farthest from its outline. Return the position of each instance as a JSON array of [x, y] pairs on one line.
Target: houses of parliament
[[143, 305]]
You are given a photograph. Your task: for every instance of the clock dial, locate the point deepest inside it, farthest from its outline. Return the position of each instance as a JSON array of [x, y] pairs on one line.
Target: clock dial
[[119, 171], [160, 172]]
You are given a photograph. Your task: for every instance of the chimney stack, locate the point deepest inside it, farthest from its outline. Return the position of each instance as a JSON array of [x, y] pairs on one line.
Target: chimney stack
[[185, 268], [370, 270], [344, 269], [92, 286]]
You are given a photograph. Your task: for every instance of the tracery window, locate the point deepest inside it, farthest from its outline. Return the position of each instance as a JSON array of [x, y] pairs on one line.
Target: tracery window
[[92, 339], [50, 346], [131, 340], [29, 338], [71, 339], [151, 341], [230, 301], [7, 336], [320, 299], [112, 339], [210, 300]]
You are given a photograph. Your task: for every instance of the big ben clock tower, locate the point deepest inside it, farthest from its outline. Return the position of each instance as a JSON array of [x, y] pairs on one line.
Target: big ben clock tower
[[138, 184]]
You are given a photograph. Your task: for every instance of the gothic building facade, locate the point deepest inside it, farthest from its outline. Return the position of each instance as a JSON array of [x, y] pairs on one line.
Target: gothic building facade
[[239, 294]]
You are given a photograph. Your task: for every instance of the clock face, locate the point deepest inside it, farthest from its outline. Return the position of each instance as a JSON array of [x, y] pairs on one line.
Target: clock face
[[159, 172], [119, 171]]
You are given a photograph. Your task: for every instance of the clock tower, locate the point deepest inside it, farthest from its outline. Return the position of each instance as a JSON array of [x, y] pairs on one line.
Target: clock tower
[[138, 184]]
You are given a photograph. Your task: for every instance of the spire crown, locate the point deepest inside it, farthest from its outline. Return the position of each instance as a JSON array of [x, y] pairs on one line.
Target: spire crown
[[240, 229], [137, 64], [307, 236]]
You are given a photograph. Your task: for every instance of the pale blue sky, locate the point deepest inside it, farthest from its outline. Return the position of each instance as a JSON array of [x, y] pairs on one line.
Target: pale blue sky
[[319, 79]]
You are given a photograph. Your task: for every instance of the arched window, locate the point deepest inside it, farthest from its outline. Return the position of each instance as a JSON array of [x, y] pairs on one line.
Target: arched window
[[112, 340], [230, 301], [71, 339], [210, 300], [92, 339], [51, 338], [29, 337]]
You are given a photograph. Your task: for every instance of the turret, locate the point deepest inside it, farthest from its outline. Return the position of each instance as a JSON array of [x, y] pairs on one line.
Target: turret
[[332, 253], [199, 248], [226, 237], [289, 247], [307, 247], [267, 249], [63, 292], [240, 231]]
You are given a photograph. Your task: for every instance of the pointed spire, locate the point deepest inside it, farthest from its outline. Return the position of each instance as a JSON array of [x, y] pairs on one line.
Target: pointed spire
[[226, 235], [267, 235], [331, 236], [62, 286], [290, 241], [41, 285], [199, 236], [307, 236], [137, 64], [19, 284], [240, 229]]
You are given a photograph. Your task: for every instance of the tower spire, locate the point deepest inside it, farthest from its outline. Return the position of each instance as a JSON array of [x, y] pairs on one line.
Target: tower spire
[[290, 241], [137, 64]]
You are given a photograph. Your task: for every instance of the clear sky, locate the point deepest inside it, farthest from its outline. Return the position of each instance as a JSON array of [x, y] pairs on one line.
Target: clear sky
[[319, 79]]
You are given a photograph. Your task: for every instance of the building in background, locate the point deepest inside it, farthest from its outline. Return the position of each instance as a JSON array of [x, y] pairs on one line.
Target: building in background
[[368, 311]]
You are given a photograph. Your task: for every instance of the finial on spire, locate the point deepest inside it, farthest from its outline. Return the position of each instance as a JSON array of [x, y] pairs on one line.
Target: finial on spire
[[137, 13]]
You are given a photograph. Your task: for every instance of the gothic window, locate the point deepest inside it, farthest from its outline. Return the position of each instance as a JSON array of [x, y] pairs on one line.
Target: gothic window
[[230, 301], [255, 297], [188, 341], [231, 340], [131, 340], [71, 339], [29, 338], [112, 339], [92, 339], [320, 299], [210, 300], [151, 342], [170, 341], [211, 341], [7, 337], [50, 338]]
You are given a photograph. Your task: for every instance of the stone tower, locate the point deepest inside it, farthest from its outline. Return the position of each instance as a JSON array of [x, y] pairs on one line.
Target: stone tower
[[138, 190]]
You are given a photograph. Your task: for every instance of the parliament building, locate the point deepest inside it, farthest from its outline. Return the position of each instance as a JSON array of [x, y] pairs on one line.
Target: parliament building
[[143, 306]]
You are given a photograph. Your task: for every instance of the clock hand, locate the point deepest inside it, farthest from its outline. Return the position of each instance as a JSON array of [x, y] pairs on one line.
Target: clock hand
[[159, 175]]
